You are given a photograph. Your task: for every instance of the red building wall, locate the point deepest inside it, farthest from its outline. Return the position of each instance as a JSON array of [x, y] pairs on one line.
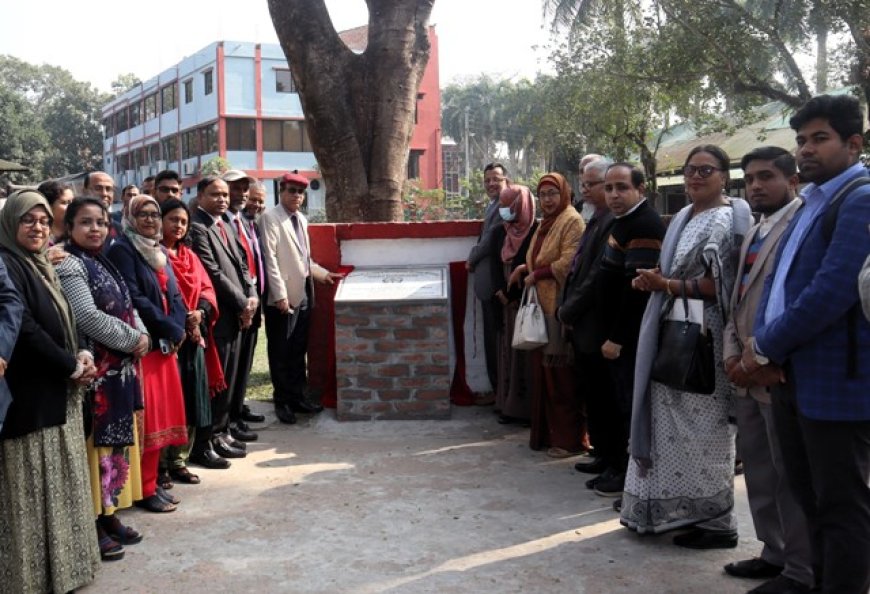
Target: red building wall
[[427, 132]]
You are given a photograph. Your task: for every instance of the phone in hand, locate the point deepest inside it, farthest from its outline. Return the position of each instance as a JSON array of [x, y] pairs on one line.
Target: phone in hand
[[165, 346]]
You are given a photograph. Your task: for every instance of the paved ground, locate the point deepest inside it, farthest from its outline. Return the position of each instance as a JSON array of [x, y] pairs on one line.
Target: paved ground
[[405, 507]]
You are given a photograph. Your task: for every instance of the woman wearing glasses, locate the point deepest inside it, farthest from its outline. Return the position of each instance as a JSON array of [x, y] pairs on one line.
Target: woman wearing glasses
[[143, 264], [681, 472], [47, 538], [556, 417]]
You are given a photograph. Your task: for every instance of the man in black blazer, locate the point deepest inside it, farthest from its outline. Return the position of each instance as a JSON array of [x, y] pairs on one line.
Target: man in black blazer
[[222, 257]]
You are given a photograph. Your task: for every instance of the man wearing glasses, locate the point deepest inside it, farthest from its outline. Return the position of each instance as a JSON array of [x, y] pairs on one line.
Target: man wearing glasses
[[480, 262], [290, 297], [167, 184]]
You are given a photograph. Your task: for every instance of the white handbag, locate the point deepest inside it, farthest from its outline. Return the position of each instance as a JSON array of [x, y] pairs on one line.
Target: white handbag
[[530, 327]]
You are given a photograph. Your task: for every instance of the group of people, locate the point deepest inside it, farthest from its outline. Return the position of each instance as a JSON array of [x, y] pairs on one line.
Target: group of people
[[778, 307], [126, 342]]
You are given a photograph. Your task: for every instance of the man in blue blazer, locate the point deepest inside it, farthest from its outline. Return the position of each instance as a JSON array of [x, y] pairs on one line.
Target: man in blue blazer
[[809, 323]]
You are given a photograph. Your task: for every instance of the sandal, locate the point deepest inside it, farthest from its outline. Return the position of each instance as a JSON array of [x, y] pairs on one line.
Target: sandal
[[110, 549], [183, 475], [123, 534], [560, 453], [164, 480], [167, 496], [156, 504]]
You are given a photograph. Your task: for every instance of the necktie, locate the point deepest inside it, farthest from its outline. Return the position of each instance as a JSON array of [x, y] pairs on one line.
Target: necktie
[[223, 232], [303, 247], [249, 255], [258, 255]]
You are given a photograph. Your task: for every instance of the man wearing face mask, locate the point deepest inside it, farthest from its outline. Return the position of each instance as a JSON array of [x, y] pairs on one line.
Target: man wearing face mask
[[480, 262]]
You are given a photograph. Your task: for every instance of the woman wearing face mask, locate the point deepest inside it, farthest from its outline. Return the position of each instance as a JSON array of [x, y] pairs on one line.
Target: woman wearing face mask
[[517, 211]]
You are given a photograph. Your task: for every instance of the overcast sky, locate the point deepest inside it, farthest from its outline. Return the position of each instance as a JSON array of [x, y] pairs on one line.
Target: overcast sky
[[97, 40]]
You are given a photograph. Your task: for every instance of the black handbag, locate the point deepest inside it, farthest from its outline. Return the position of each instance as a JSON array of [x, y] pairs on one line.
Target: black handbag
[[685, 359]]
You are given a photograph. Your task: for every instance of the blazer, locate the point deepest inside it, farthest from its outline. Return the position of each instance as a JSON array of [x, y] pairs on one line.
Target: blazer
[[227, 268], [146, 294], [739, 327], [40, 364], [811, 334], [11, 309], [480, 256], [579, 300], [282, 253]]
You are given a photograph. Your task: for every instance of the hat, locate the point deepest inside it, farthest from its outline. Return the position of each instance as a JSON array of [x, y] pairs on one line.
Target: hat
[[231, 175], [294, 178]]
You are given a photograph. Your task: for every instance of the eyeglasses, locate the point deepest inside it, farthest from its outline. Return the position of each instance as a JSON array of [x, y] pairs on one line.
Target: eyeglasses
[[142, 216], [592, 184], [554, 193], [169, 189], [292, 190], [493, 180], [32, 221], [704, 171]]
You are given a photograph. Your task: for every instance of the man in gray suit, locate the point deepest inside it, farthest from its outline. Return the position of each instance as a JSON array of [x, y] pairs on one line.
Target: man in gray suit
[[481, 261], [771, 180]]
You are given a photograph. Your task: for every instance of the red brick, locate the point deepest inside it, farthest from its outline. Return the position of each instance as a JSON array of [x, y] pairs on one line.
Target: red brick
[[436, 370], [370, 333], [348, 395], [440, 358], [410, 333], [375, 407], [391, 370], [343, 381], [373, 358], [352, 347], [412, 406], [414, 382], [391, 322], [369, 310], [393, 395], [430, 321], [430, 395], [413, 358], [377, 383], [438, 333], [344, 358], [351, 320]]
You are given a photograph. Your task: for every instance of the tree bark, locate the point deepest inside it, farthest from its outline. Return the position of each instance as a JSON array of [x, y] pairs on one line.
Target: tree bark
[[359, 108]]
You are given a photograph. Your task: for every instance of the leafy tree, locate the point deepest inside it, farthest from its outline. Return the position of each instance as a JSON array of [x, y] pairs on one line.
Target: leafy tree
[[215, 166], [359, 108], [124, 82]]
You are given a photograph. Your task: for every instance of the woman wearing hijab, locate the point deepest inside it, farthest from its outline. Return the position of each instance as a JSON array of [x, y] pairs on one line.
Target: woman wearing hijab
[[105, 318], [143, 263], [201, 371], [557, 419], [47, 539], [517, 211]]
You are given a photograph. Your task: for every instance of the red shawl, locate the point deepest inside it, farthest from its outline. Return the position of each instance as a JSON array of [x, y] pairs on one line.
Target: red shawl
[[194, 284]]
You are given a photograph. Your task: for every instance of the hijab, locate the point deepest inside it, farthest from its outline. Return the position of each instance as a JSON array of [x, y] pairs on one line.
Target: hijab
[[519, 199], [149, 248], [558, 181], [17, 205]]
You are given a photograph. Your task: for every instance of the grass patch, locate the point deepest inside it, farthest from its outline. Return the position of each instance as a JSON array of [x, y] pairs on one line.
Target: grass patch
[[259, 384]]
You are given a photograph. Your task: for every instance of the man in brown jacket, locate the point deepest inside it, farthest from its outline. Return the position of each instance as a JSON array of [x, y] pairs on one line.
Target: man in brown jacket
[[771, 180]]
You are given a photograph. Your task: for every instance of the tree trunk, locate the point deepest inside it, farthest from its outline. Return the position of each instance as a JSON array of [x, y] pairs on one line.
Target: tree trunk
[[359, 108], [821, 58]]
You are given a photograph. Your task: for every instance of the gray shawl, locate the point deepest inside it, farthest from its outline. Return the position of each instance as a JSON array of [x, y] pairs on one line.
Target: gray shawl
[[641, 413]]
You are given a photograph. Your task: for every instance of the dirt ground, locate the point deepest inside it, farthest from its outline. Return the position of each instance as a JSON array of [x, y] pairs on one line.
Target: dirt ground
[[404, 506]]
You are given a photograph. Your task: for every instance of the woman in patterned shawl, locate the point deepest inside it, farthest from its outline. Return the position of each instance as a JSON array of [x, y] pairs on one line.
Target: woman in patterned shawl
[[105, 318], [681, 472], [47, 539]]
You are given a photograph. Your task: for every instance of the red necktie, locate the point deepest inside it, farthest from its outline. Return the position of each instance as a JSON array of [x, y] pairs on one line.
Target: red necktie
[[249, 255], [223, 232]]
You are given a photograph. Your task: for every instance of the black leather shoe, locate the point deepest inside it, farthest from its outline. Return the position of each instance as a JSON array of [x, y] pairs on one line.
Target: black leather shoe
[[240, 432], [700, 539], [303, 406], [208, 458], [225, 450], [233, 442], [593, 466], [285, 414], [250, 416], [604, 476], [754, 569], [781, 585]]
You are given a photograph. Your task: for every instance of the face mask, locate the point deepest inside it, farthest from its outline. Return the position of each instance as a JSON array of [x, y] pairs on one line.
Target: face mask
[[506, 214]]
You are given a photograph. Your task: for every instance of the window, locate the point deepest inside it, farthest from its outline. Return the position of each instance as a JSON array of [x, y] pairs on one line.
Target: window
[[152, 154], [285, 136], [241, 135], [190, 144], [135, 114], [284, 82], [121, 121], [188, 91], [150, 105], [208, 139], [208, 81], [109, 127], [169, 148], [167, 98], [414, 164], [123, 162]]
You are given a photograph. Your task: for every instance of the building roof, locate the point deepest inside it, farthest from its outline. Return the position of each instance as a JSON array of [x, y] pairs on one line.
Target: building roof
[[356, 39]]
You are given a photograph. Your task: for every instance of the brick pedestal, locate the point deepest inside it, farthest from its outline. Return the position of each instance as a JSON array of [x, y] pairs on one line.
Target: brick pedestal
[[392, 360]]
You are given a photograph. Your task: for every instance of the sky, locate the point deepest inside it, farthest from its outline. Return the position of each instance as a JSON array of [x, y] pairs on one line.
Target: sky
[[97, 40]]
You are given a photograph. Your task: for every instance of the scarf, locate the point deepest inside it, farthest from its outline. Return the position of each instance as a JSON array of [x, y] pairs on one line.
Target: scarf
[[195, 284], [149, 248], [519, 199], [558, 181], [17, 205]]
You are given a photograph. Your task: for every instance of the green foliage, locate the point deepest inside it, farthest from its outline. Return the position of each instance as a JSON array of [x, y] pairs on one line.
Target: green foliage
[[124, 82], [215, 166], [50, 121]]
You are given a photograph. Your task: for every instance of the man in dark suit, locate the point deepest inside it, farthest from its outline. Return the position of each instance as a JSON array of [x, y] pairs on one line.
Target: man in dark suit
[[480, 262], [223, 259], [809, 323], [770, 174]]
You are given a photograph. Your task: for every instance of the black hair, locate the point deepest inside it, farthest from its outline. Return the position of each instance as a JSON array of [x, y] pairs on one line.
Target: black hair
[[781, 158], [717, 153], [637, 176], [166, 174], [127, 187], [52, 190], [87, 181], [78, 203], [496, 165], [206, 182], [174, 204], [148, 179], [843, 113]]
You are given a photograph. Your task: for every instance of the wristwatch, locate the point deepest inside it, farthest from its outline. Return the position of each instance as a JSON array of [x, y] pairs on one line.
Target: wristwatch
[[759, 358]]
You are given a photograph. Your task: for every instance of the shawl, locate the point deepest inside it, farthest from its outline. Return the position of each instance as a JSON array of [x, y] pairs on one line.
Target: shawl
[[17, 205], [195, 284], [647, 346], [519, 199], [556, 251], [149, 248], [560, 183]]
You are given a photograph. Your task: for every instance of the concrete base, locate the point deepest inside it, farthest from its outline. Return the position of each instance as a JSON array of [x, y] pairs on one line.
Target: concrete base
[[409, 506]]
